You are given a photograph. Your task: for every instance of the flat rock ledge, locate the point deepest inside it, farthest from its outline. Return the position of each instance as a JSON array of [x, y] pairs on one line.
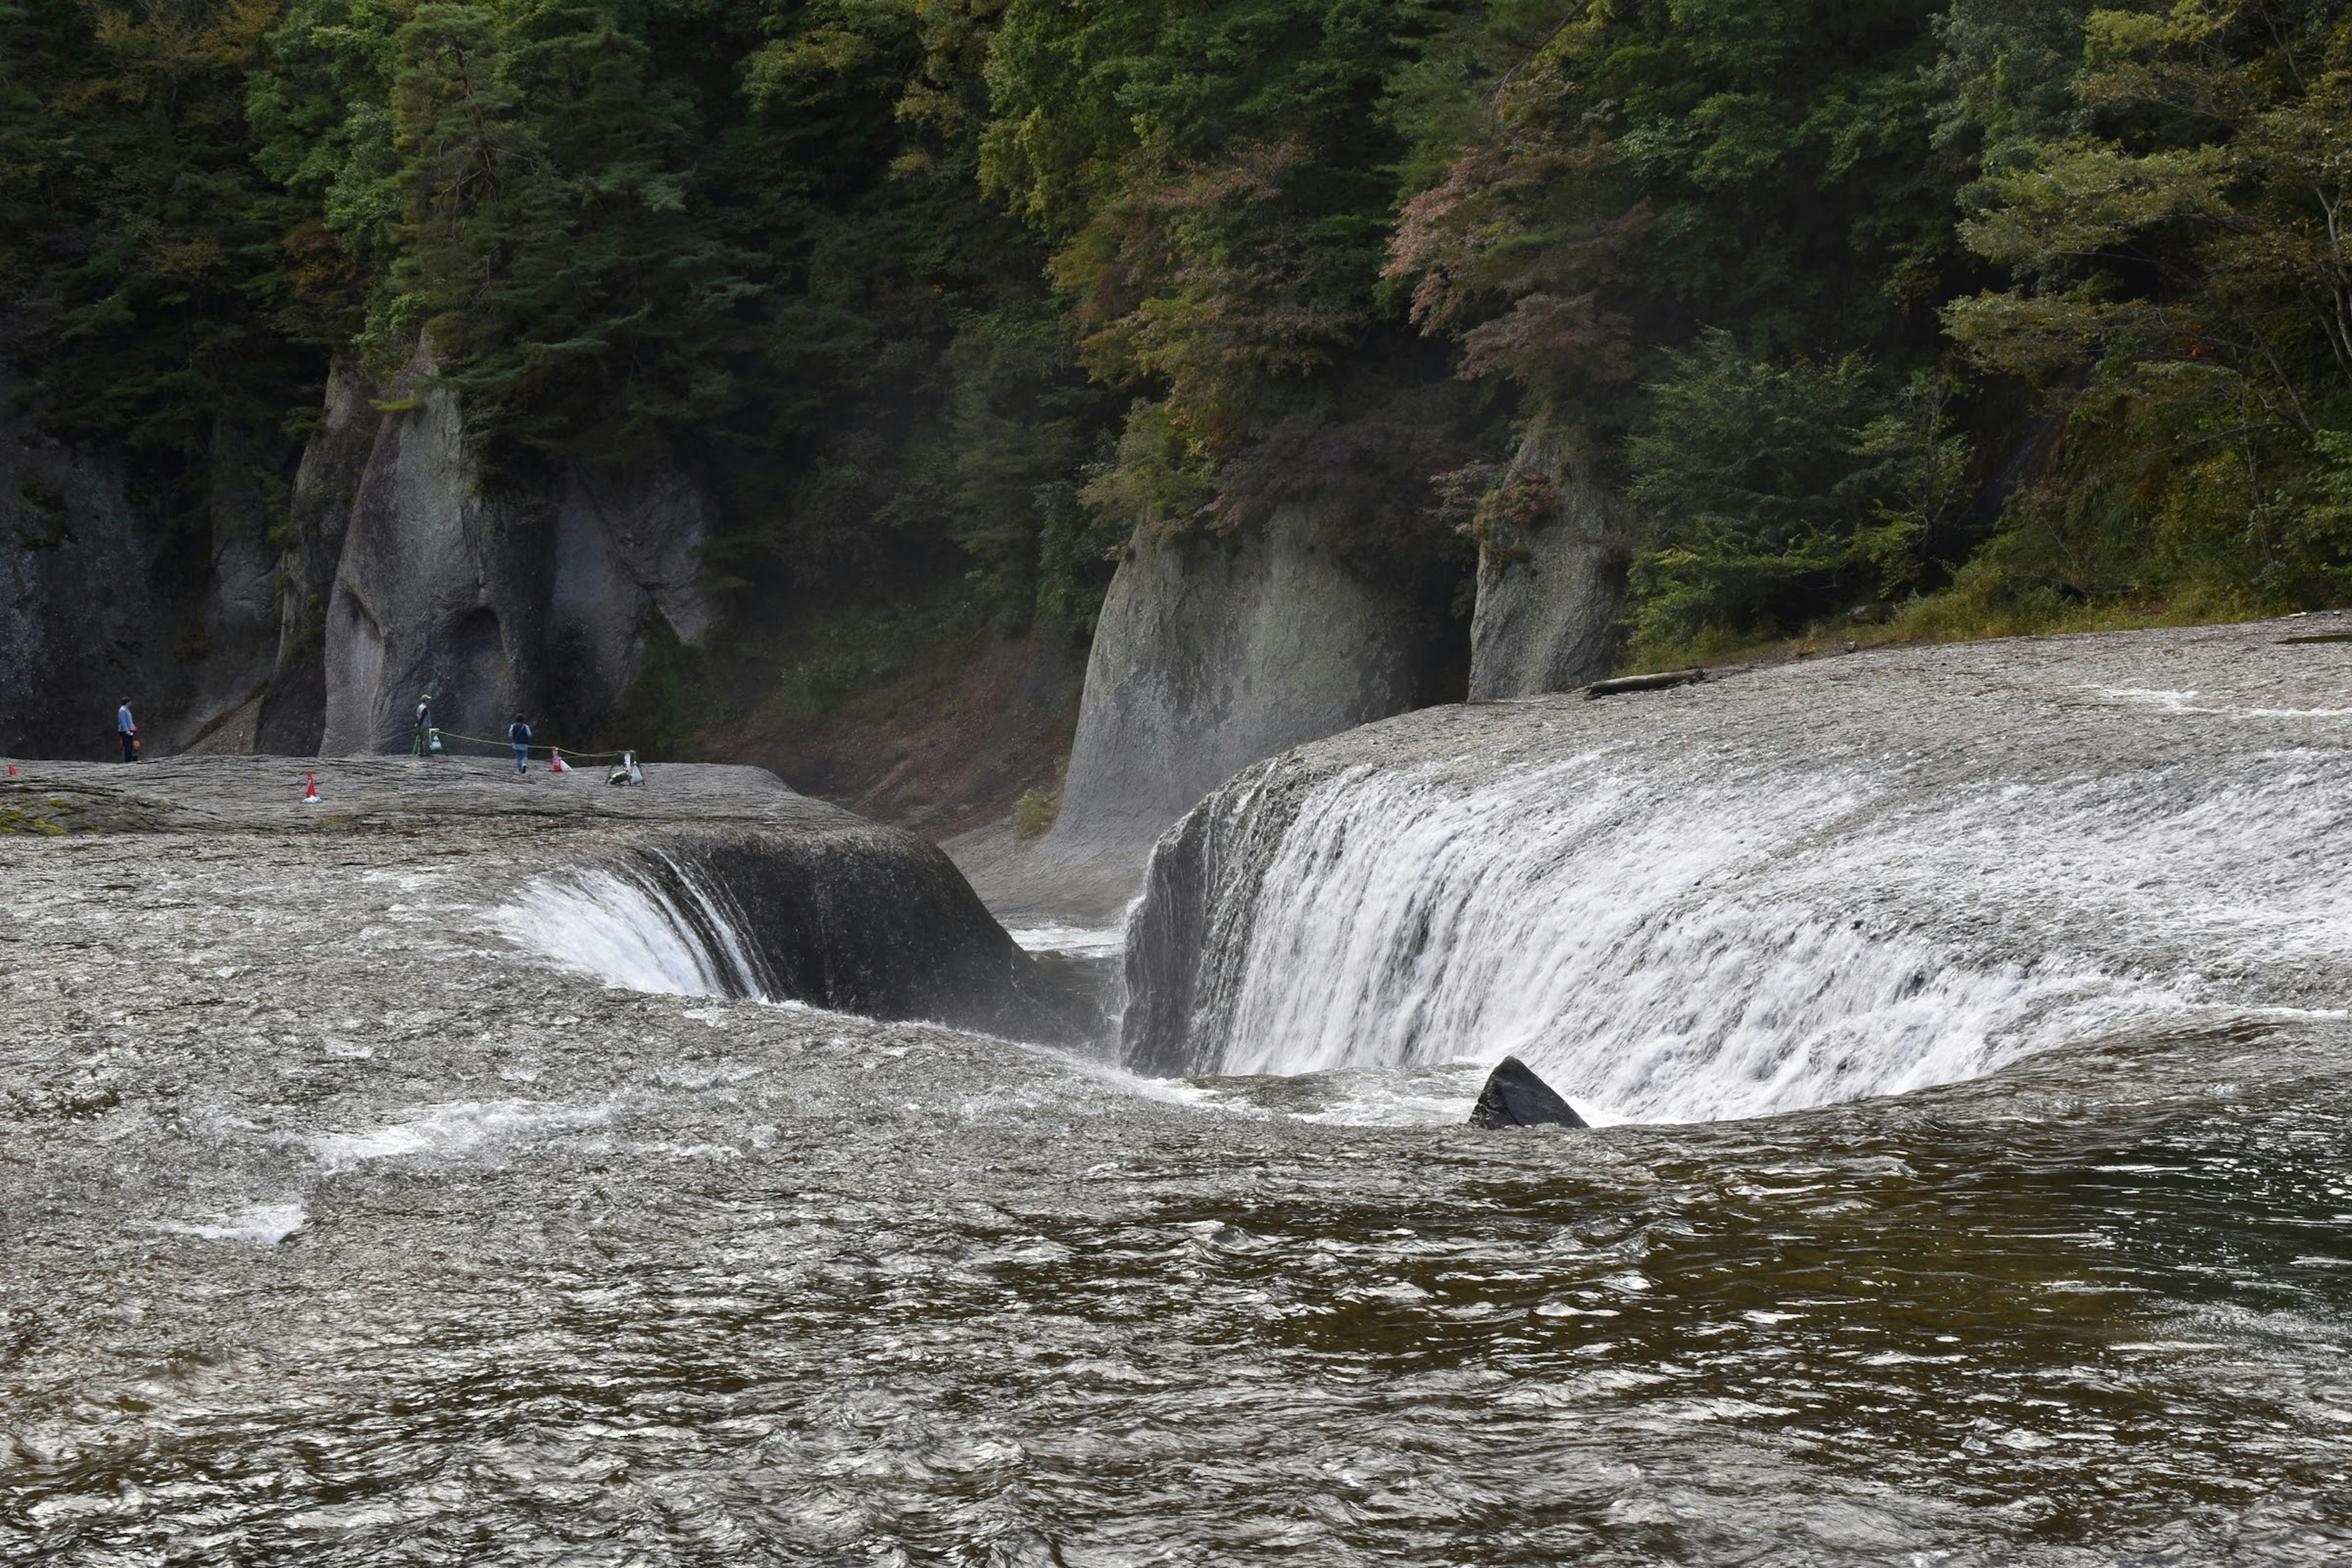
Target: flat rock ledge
[[835, 911]]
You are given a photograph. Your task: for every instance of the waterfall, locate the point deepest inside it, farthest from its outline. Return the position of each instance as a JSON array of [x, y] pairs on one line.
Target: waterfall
[[1673, 934], [855, 920], [652, 924]]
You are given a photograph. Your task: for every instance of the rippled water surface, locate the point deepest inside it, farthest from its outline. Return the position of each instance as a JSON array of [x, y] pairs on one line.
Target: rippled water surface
[[348, 1218], [794, 1288]]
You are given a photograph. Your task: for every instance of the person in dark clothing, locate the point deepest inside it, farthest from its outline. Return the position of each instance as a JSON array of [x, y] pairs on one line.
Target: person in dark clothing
[[518, 737], [423, 744], [126, 729]]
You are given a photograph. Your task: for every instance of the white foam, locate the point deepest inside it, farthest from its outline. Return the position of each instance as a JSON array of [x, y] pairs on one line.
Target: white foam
[[1088, 940], [624, 930], [260, 1224], [1665, 949], [455, 1130]]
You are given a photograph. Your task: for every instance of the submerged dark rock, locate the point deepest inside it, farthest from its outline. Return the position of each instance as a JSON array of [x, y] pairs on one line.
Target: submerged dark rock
[[1515, 1097]]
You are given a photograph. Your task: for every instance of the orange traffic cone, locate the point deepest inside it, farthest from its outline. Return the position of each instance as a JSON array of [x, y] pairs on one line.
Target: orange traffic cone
[[309, 790], [556, 764]]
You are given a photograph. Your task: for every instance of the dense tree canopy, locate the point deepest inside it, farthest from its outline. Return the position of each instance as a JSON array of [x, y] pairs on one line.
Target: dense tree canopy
[[1851, 299]]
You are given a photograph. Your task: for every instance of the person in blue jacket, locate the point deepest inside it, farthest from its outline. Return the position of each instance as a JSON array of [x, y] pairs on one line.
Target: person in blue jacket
[[126, 729], [518, 737]]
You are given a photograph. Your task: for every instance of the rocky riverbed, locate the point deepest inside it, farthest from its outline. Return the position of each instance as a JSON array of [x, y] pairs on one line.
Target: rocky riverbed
[[344, 1226]]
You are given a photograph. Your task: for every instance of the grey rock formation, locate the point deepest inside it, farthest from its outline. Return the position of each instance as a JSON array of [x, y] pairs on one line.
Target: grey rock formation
[[626, 551], [438, 587], [1208, 654], [1548, 581], [1515, 1097], [496, 601], [292, 716], [238, 617], [79, 626]]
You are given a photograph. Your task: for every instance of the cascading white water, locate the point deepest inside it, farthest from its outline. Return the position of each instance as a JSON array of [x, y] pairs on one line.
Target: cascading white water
[[1673, 938], [625, 928], [862, 928]]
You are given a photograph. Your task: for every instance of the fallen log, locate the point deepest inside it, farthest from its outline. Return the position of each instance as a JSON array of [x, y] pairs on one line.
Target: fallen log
[[1656, 681]]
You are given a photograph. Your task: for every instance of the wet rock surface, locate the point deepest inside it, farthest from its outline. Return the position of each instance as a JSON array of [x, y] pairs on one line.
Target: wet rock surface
[[1515, 1097], [336, 1230], [832, 910]]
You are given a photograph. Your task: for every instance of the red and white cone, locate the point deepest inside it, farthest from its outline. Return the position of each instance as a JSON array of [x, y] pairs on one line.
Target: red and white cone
[[309, 790], [556, 764]]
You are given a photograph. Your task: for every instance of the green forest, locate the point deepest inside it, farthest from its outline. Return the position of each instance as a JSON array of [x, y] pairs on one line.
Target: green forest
[[1987, 314]]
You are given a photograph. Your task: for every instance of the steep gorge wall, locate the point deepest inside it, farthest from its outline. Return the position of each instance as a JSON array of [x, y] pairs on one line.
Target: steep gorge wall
[[436, 586], [1210, 654], [522, 598], [81, 627], [105, 597], [393, 570], [1552, 571]]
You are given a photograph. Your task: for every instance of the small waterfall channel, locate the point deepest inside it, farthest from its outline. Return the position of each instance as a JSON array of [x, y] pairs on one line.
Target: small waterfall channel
[[652, 924], [860, 922], [1693, 925]]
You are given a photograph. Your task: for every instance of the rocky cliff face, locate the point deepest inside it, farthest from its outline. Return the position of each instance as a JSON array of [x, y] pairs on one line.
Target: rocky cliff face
[[1551, 570], [1208, 654], [496, 601], [293, 712], [236, 635], [625, 552], [437, 589], [79, 626]]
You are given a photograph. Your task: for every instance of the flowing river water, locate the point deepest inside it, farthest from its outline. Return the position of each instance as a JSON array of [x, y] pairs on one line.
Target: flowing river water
[[342, 1226]]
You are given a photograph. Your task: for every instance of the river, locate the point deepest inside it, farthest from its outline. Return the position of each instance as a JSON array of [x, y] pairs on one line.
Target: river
[[339, 1230]]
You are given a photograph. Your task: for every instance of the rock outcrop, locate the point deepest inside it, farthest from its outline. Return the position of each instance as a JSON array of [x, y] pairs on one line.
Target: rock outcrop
[[1552, 555], [1210, 654], [237, 618], [497, 600], [1515, 1097], [80, 628], [627, 549], [438, 587], [293, 719]]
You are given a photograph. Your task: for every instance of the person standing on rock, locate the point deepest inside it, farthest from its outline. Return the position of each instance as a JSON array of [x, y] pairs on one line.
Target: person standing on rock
[[518, 737], [422, 744], [126, 729]]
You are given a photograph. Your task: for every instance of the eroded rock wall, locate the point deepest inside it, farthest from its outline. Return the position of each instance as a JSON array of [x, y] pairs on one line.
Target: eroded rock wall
[[81, 630], [1551, 571], [1213, 653], [627, 549], [437, 588], [532, 598], [292, 718]]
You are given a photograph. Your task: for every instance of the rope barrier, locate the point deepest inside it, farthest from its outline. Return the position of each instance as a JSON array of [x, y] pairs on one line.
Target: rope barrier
[[500, 746], [508, 745]]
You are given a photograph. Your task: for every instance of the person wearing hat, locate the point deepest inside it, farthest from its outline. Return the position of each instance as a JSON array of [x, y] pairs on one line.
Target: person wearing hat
[[518, 737]]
